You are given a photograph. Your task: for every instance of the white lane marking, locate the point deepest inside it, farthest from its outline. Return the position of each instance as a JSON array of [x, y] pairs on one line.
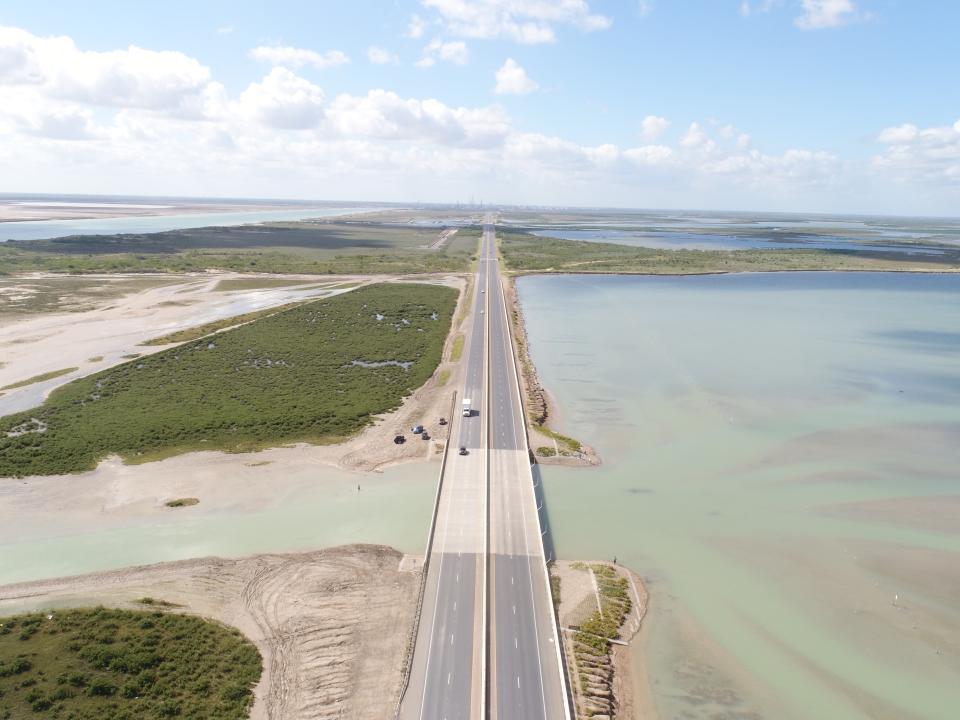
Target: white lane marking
[[448, 678], [515, 645], [518, 682], [451, 638]]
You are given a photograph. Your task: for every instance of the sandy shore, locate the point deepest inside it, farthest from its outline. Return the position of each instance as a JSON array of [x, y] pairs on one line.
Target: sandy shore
[[37, 210], [330, 625]]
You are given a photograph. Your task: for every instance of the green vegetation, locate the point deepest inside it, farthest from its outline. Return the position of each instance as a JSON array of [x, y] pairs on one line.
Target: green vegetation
[[314, 248], [314, 373], [530, 253], [153, 602], [102, 664], [546, 451], [199, 331], [456, 350], [442, 377], [555, 591], [182, 502], [569, 444], [95, 358], [39, 378]]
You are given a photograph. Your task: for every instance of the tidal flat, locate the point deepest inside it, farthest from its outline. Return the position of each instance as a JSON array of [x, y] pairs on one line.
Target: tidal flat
[[780, 464]]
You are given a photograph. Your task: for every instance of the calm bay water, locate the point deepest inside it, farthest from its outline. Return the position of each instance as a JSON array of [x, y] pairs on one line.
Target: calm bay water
[[43, 229], [686, 240], [782, 463], [315, 507]]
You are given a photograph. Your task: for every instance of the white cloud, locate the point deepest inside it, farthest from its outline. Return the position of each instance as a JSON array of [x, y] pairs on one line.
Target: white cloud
[[644, 7], [380, 56], [695, 136], [513, 80], [761, 6], [906, 133], [653, 127], [649, 154], [225, 29], [283, 100], [818, 14], [385, 115], [525, 21], [298, 57], [454, 51], [416, 27], [134, 77], [928, 155]]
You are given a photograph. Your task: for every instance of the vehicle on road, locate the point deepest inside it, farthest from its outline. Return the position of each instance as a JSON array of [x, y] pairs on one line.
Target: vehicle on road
[[464, 451], [467, 410]]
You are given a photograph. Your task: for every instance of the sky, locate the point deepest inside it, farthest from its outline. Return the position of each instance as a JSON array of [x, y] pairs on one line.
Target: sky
[[793, 105]]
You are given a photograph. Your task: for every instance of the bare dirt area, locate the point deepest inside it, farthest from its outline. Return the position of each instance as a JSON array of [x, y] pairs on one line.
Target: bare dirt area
[[330, 625]]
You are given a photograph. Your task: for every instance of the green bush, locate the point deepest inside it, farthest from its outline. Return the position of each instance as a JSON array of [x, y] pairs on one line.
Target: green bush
[[101, 664]]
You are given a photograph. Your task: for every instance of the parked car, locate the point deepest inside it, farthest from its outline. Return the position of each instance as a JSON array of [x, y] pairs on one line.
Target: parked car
[[399, 439], [425, 435], [416, 429], [463, 451], [443, 421]]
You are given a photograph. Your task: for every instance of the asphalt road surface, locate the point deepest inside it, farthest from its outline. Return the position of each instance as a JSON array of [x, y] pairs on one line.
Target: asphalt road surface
[[523, 679]]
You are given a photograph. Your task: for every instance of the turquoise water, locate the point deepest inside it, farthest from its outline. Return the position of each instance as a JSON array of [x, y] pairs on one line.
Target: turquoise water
[[393, 508], [43, 229], [782, 464]]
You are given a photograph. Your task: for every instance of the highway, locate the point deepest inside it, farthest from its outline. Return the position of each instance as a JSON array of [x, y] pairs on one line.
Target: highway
[[486, 642]]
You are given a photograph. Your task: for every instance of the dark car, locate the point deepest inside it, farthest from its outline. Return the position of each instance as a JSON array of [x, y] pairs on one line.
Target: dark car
[[443, 421], [425, 435], [399, 439], [463, 451]]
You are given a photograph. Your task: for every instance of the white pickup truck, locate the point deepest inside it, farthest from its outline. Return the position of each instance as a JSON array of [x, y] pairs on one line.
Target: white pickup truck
[[467, 411]]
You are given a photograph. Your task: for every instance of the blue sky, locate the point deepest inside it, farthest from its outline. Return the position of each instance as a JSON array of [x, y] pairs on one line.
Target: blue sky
[[808, 105]]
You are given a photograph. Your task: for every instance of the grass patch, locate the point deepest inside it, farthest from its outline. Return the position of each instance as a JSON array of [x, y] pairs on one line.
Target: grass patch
[[546, 451], [569, 443], [594, 635], [182, 502], [153, 602], [323, 248], [195, 333], [456, 350], [39, 378], [105, 664], [95, 358], [524, 252], [442, 377], [289, 377]]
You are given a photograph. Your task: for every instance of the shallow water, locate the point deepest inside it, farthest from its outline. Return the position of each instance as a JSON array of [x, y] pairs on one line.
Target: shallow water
[[392, 508], [44, 229], [782, 463], [682, 240]]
